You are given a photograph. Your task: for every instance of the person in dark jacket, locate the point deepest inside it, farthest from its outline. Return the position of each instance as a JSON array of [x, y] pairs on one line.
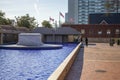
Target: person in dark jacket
[[81, 40], [86, 41]]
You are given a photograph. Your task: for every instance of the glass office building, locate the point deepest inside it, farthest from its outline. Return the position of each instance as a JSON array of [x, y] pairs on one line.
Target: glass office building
[[79, 10]]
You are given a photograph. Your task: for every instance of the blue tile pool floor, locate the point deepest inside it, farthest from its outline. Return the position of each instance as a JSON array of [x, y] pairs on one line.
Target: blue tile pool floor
[[31, 64]]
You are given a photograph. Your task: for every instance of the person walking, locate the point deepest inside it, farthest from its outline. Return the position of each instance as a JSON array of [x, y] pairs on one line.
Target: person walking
[[81, 40], [86, 41]]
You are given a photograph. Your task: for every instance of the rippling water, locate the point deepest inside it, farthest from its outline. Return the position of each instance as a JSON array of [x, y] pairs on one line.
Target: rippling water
[[31, 64]]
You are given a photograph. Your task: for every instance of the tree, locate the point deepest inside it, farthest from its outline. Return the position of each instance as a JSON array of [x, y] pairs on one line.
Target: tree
[[46, 24], [3, 20], [26, 21], [2, 14]]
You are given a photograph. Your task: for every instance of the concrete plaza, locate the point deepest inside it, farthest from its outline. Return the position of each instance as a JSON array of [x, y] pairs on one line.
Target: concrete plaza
[[99, 62]]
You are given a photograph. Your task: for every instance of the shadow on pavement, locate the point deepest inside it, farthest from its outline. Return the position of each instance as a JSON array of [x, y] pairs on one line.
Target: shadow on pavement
[[92, 44], [76, 69]]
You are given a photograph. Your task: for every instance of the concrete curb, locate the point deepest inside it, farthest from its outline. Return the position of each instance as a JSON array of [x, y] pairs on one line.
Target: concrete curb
[[62, 70]]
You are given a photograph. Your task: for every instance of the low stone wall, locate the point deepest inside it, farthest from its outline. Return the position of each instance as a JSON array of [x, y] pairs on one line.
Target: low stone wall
[[62, 70], [99, 40]]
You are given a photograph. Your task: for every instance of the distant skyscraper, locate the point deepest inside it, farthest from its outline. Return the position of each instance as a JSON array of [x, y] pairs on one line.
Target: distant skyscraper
[[71, 11], [79, 10]]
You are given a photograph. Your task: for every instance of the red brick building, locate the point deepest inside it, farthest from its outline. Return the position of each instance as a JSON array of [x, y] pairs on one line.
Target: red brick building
[[97, 32]]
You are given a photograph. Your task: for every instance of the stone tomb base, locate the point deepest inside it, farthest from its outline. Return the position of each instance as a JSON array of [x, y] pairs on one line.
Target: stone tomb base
[[30, 41]]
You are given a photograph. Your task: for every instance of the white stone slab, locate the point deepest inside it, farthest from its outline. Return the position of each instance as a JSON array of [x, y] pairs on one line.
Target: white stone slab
[[30, 39]]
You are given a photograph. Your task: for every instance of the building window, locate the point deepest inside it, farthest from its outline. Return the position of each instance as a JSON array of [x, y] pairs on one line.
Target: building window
[[108, 31], [91, 31], [100, 32], [117, 31], [82, 31]]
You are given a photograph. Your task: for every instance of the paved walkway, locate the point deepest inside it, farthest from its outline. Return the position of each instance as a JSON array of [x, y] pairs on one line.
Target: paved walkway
[[101, 62]]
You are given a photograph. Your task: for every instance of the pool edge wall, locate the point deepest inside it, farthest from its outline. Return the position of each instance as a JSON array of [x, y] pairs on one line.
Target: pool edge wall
[[61, 72]]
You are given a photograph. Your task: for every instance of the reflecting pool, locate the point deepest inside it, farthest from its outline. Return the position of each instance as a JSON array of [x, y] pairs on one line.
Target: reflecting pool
[[31, 64]]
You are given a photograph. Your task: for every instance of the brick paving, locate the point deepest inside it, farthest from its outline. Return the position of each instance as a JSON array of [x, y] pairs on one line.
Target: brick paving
[[101, 62]]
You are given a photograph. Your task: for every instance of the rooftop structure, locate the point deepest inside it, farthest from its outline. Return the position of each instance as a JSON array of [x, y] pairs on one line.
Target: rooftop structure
[[62, 34], [61, 31], [9, 34], [111, 18], [12, 29]]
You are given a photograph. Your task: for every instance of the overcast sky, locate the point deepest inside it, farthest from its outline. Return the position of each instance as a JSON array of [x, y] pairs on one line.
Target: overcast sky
[[40, 9]]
